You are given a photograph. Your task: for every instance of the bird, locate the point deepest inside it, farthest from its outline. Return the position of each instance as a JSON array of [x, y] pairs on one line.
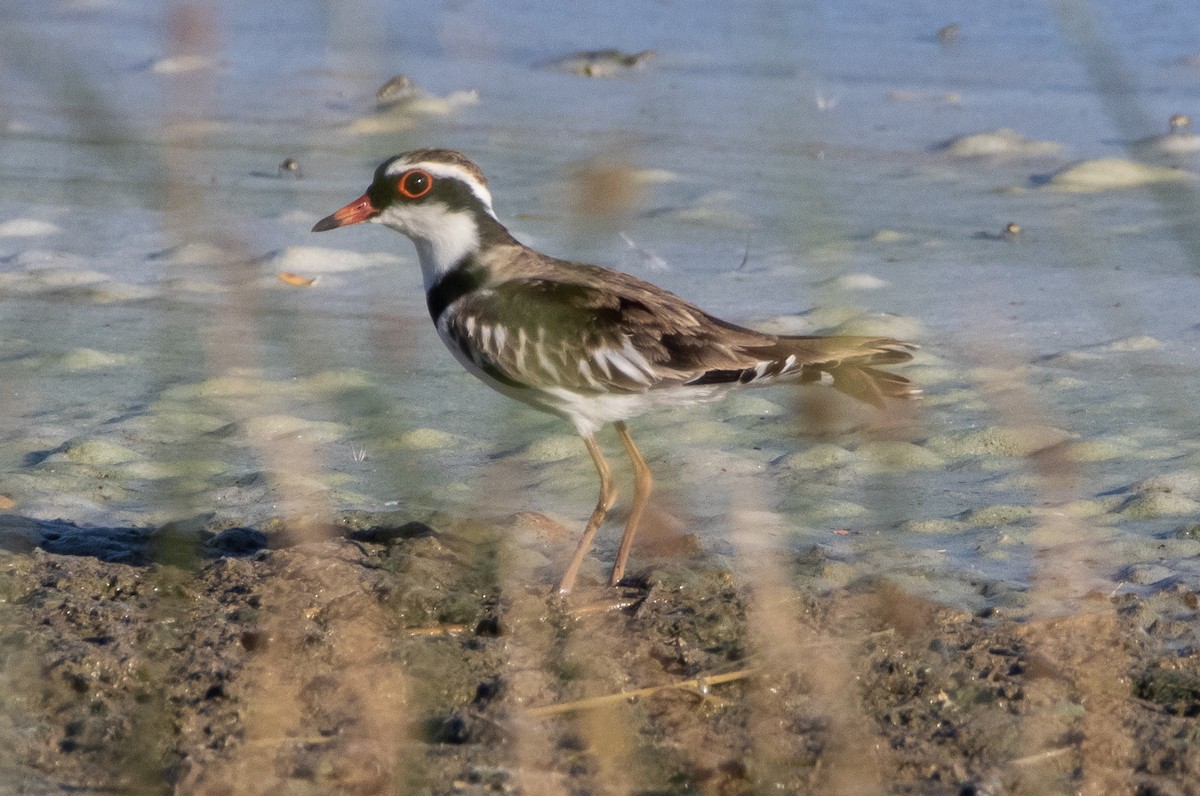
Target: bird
[[592, 345]]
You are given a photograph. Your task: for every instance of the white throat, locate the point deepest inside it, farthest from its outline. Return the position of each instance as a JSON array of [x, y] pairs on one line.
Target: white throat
[[443, 238]]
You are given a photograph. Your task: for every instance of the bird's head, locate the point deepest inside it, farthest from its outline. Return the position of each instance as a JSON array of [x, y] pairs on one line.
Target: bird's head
[[437, 197]]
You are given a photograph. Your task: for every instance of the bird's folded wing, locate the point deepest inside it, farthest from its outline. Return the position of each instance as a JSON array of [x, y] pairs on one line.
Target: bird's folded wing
[[544, 333]]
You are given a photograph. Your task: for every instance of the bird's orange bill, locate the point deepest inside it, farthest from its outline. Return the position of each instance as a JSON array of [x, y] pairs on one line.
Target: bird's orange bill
[[361, 209]]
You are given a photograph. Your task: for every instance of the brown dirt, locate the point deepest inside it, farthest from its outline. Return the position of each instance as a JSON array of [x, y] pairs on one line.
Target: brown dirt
[[396, 658]]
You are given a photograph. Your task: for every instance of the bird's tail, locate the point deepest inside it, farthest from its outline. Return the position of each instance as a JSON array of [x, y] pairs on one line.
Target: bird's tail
[[851, 365]]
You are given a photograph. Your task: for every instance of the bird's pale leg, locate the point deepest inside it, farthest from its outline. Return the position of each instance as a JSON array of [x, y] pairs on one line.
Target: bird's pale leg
[[608, 496], [643, 482]]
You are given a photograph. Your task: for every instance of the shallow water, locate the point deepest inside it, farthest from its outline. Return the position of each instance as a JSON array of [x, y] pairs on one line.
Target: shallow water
[[158, 369]]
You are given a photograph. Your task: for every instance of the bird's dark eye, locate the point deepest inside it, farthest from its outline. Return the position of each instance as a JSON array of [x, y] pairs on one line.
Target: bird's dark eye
[[415, 183]]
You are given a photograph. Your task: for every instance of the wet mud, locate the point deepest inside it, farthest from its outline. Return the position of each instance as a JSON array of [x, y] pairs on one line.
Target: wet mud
[[378, 654]]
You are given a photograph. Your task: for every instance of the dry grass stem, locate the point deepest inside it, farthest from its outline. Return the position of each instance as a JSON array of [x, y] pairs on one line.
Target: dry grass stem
[[697, 684]]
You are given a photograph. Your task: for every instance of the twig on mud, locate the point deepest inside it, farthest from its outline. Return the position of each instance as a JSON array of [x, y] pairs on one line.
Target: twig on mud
[[1049, 754], [604, 606], [437, 630], [700, 684]]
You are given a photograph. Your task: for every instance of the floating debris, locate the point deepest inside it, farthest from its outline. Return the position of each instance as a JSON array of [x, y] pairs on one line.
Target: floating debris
[[396, 90], [949, 33], [602, 63], [647, 258], [400, 103], [944, 98], [288, 278], [1176, 141], [182, 64], [1011, 233], [290, 166], [825, 103]]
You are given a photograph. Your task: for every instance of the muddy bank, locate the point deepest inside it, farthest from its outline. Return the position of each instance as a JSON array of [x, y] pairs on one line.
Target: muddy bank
[[381, 655]]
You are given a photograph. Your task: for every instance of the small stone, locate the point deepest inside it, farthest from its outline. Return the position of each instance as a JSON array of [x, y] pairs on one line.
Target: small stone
[[899, 456], [425, 439], [98, 451], [1183, 482], [1138, 343], [1159, 504], [290, 167], [1145, 574], [1001, 514], [1105, 174], [554, 449], [818, 457], [999, 441], [397, 89], [1004, 142]]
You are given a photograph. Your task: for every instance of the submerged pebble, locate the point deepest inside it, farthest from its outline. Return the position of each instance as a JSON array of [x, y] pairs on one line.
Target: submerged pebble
[[890, 236], [744, 404], [399, 88], [1176, 141], [268, 427], [1106, 174], [999, 441], [602, 63], [902, 327], [290, 167], [1094, 451], [1000, 514], [714, 209], [940, 525], [425, 439], [554, 448], [90, 359], [818, 457], [98, 451], [1005, 142], [905, 95], [1153, 505], [27, 228], [180, 64], [1137, 343], [1146, 574], [317, 260], [404, 114], [855, 282], [897, 457], [1186, 482]]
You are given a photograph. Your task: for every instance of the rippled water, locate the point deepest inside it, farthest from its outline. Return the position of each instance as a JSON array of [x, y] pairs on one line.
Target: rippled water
[[774, 157]]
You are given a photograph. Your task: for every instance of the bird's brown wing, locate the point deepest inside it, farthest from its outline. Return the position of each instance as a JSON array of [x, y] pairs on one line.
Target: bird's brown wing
[[550, 333], [629, 336]]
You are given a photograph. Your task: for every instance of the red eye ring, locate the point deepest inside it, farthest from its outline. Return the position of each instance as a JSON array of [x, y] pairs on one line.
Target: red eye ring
[[414, 183]]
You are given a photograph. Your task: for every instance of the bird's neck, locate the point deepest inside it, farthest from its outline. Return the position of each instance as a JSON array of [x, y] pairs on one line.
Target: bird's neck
[[455, 242], [453, 285], [451, 261]]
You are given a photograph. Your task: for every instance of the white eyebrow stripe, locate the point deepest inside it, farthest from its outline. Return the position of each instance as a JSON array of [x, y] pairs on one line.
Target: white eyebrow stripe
[[451, 171]]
